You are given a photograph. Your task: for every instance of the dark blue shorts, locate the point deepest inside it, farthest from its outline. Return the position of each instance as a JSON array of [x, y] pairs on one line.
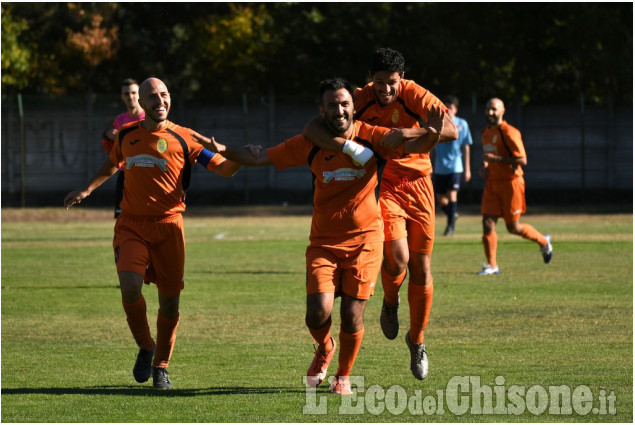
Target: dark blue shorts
[[444, 183]]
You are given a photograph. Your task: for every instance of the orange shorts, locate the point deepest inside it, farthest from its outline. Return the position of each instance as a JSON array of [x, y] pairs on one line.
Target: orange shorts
[[408, 212], [352, 270], [504, 198], [152, 247]]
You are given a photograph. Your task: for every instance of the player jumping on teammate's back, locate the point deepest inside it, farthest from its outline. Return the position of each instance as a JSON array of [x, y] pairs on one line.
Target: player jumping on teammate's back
[[344, 255], [406, 193]]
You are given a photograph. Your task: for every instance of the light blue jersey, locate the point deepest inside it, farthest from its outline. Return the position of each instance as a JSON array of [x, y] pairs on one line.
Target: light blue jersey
[[448, 158]]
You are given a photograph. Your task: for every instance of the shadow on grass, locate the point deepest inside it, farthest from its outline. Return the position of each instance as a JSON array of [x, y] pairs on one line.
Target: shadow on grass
[[148, 391]]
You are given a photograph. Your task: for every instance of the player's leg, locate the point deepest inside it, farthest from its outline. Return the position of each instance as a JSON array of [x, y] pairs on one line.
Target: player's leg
[[420, 226], [359, 274], [322, 273], [490, 245], [166, 270], [491, 209], [351, 335], [396, 256], [515, 206], [131, 258], [318, 320]]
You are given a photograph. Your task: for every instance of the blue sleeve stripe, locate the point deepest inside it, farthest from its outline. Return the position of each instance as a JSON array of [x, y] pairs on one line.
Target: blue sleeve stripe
[[204, 157]]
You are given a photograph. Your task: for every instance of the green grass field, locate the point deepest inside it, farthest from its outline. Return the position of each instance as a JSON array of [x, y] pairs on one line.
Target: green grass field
[[242, 346]]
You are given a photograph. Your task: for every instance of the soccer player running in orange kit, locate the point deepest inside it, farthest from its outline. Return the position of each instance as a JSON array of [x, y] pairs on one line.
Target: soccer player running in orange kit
[[504, 191], [407, 195], [149, 242], [345, 251]]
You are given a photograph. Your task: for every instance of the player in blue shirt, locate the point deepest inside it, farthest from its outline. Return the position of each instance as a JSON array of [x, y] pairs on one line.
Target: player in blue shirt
[[450, 161]]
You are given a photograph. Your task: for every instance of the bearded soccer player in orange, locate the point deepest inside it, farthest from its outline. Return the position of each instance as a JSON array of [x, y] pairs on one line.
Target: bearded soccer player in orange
[[504, 191], [345, 251], [149, 242], [407, 195]]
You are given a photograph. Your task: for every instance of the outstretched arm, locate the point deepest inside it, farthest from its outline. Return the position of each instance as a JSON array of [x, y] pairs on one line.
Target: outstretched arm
[[106, 170], [243, 155], [317, 132]]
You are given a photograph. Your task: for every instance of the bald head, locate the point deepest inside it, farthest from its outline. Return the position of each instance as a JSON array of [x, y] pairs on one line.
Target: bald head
[[494, 111], [154, 98]]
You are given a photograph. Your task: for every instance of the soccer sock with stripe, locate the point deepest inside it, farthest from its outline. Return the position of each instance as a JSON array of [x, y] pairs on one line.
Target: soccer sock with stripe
[[490, 243], [323, 337], [349, 347], [138, 323], [420, 302], [391, 285], [530, 232], [166, 337]]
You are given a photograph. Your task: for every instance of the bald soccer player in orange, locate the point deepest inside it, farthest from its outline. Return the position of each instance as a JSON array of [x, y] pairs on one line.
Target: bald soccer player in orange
[[407, 195], [504, 192], [345, 252], [149, 242]]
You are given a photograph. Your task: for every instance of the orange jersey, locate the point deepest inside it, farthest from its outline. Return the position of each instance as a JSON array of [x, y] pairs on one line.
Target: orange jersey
[[345, 198], [411, 106], [155, 166], [503, 140]]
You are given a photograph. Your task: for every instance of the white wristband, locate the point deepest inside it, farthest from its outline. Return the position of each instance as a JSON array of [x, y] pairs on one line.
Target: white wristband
[[359, 153]]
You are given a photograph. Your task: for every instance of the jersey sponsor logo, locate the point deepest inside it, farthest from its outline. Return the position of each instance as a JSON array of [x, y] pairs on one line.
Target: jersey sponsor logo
[[134, 142], [328, 158], [343, 174], [395, 116], [490, 148], [162, 145], [147, 161]]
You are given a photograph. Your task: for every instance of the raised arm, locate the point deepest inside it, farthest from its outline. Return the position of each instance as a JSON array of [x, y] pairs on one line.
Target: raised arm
[[317, 132], [106, 170]]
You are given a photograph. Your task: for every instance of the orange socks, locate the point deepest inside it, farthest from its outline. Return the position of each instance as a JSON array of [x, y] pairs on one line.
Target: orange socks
[[323, 337], [138, 323], [349, 347], [166, 336], [530, 232], [490, 243], [391, 285], [420, 302]]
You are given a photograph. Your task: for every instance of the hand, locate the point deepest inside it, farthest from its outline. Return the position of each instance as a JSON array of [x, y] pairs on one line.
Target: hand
[[467, 176], [254, 150], [436, 119], [75, 197], [209, 144]]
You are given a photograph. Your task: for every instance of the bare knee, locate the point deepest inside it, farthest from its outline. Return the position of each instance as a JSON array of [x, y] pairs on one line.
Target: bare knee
[[514, 228], [130, 284], [318, 310], [396, 257]]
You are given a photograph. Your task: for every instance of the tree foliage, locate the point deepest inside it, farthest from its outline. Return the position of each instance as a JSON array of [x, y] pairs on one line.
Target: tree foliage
[[528, 52]]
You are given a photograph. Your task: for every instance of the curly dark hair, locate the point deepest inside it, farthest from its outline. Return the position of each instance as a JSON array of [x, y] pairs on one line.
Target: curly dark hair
[[387, 59]]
